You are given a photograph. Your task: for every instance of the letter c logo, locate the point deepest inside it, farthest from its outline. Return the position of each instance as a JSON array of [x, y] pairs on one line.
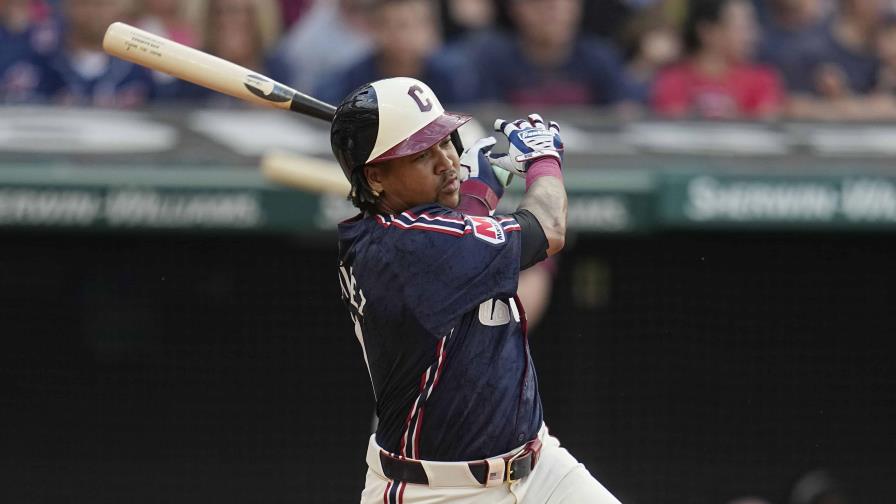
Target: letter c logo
[[416, 92]]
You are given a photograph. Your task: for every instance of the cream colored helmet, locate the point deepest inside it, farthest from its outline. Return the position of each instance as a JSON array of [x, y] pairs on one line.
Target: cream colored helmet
[[388, 119]]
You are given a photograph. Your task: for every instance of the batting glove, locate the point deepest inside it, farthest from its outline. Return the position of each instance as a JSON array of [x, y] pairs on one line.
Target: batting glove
[[530, 140], [475, 164]]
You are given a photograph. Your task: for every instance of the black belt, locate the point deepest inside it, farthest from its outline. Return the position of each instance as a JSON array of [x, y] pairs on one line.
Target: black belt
[[516, 467]]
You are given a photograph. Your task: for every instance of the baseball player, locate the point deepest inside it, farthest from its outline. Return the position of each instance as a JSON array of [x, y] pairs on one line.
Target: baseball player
[[429, 276]]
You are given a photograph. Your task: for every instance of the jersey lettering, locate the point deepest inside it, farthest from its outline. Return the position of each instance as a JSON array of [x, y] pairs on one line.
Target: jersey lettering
[[351, 291], [486, 229], [416, 92]]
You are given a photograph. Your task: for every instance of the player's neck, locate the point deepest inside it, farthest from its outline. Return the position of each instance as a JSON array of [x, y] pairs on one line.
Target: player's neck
[[387, 207]]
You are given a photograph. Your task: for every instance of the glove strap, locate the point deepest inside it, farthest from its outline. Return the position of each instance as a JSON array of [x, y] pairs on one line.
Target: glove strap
[[476, 194], [544, 167]]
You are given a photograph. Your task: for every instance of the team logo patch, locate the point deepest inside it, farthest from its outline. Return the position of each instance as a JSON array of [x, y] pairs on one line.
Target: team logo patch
[[416, 92], [487, 229]]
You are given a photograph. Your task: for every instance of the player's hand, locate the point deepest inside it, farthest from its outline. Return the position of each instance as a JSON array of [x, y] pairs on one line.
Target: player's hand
[[475, 164], [530, 140]]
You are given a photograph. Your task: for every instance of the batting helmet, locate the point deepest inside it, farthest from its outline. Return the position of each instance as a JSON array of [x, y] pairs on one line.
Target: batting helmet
[[384, 120]]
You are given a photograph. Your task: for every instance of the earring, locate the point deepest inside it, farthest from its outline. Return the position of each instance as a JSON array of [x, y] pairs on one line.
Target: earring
[[376, 194]]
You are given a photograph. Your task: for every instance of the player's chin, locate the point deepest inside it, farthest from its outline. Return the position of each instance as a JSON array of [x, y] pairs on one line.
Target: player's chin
[[449, 198]]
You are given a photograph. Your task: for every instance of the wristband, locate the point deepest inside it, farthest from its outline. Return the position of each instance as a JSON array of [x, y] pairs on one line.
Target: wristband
[[544, 167]]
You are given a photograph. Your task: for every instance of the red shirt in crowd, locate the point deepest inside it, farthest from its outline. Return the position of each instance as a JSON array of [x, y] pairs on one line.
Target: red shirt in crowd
[[746, 91]]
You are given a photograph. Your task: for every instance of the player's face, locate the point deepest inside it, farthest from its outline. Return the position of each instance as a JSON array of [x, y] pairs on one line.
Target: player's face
[[426, 177]]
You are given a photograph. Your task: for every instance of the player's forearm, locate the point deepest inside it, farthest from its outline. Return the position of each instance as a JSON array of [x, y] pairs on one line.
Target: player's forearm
[[536, 152], [546, 199]]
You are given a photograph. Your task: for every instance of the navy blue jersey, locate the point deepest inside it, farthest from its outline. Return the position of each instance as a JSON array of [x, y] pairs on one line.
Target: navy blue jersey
[[432, 295]]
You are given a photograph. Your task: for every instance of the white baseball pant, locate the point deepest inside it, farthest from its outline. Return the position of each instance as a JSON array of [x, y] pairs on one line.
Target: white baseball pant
[[558, 478]]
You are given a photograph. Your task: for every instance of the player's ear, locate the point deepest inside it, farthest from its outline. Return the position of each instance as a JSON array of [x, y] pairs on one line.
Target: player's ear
[[374, 176]]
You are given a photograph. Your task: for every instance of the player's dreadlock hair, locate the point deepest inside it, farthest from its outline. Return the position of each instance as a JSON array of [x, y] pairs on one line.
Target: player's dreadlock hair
[[361, 195], [352, 137]]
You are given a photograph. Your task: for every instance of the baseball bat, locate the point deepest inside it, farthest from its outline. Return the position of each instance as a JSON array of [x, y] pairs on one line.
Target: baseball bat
[[158, 53], [304, 172]]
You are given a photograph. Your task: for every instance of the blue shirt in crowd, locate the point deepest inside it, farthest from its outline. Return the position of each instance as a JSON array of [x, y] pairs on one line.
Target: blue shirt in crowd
[[592, 74], [35, 67], [448, 75], [106, 81], [21, 57], [799, 54]]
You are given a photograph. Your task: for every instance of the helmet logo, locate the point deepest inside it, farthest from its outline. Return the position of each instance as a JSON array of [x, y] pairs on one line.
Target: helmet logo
[[416, 92]]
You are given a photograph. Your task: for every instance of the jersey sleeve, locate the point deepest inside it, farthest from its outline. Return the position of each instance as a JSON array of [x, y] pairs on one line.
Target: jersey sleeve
[[448, 263]]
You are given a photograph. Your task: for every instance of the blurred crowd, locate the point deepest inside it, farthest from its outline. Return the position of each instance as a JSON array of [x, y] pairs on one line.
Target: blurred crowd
[[717, 59]]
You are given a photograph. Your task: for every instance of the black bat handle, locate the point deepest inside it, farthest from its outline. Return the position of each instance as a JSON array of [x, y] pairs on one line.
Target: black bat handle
[[304, 104]]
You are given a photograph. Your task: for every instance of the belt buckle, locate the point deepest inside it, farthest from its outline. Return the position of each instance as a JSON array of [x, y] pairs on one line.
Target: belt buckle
[[509, 464]]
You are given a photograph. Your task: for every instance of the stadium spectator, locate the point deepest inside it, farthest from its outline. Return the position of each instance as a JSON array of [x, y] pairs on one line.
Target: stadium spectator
[[547, 61], [241, 31], [24, 12], [27, 33], [845, 70], [329, 37], [78, 72], [168, 19], [604, 18], [885, 43], [15, 16], [406, 36], [461, 18], [292, 10], [650, 41], [793, 30], [718, 78], [849, 43], [40, 10], [15, 25]]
